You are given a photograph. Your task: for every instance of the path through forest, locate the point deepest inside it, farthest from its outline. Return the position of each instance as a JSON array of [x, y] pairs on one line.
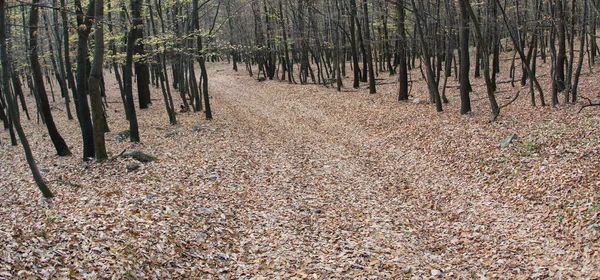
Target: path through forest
[[304, 181], [354, 184]]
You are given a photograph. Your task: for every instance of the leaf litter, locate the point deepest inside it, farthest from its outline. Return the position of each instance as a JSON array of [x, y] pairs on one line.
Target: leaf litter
[[302, 181]]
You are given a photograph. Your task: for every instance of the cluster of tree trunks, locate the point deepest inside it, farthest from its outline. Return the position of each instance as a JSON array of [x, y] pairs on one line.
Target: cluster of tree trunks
[[167, 45]]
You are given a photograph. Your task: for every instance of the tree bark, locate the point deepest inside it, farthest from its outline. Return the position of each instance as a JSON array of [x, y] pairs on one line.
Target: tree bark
[[85, 121], [94, 84], [486, 67], [59, 143], [12, 107], [402, 63], [141, 66], [372, 88], [134, 134], [465, 85]]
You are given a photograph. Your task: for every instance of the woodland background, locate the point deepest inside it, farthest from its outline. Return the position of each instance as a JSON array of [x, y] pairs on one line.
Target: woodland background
[[350, 139]]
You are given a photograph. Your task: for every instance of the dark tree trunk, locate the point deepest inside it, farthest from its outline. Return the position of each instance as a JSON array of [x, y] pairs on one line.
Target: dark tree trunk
[[288, 65], [486, 68], [582, 37], [67, 55], [12, 106], [141, 66], [465, 86], [232, 36], [559, 69], [59, 143], [355, 66], [94, 84], [402, 63], [202, 62], [433, 90], [372, 88], [134, 134], [85, 120], [18, 88]]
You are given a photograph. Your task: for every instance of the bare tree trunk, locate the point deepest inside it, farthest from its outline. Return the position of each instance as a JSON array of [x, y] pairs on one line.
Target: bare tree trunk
[[134, 134], [355, 66], [433, 90], [559, 70], [201, 61], [141, 66], [486, 68], [94, 84], [372, 88], [402, 46], [465, 85], [85, 120], [12, 107], [59, 143], [582, 37]]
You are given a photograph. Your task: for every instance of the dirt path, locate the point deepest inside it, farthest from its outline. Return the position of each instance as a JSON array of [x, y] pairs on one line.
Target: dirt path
[[346, 187], [304, 181]]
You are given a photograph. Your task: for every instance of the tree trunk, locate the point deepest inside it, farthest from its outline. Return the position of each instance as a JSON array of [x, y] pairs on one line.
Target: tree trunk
[[426, 59], [355, 66], [94, 84], [141, 66], [402, 63], [67, 54], [465, 86], [372, 88], [486, 68], [85, 120], [59, 143], [134, 134], [12, 107], [202, 62], [559, 70]]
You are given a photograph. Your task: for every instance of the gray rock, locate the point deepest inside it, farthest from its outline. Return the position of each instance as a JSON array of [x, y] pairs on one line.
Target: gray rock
[[506, 141], [171, 134], [213, 177], [151, 196], [139, 155], [45, 170], [205, 210], [132, 166], [122, 136], [201, 235], [436, 273], [416, 101], [198, 127]]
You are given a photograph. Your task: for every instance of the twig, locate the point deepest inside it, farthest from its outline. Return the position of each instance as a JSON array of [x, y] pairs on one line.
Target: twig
[[513, 100], [120, 154], [588, 105]]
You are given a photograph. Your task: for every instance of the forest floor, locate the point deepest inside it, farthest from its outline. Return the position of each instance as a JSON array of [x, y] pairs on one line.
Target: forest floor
[[303, 181]]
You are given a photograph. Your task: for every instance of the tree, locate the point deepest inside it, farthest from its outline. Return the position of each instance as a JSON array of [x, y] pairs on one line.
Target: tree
[[134, 134], [486, 67], [59, 143], [558, 83], [141, 66], [465, 85], [12, 106], [372, 88], [401, 53], [94, 84], [84, 24], [433, 90]]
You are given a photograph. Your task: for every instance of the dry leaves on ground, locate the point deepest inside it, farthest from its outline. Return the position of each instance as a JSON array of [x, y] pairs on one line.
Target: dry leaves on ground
[[304, 181]]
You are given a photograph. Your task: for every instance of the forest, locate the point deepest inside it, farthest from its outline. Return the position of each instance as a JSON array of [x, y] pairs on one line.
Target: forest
[[338, 139]]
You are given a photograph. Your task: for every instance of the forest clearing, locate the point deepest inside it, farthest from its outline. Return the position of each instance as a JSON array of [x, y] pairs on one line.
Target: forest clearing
[[304, 181]]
